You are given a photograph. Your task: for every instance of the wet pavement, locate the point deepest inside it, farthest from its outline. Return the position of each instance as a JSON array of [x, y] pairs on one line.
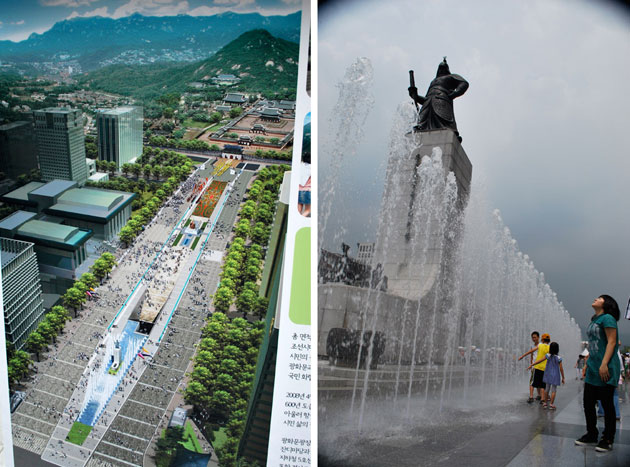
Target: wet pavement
[[508, 432]]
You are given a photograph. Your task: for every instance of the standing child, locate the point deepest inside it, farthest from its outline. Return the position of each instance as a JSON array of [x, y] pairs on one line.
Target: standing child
[[539, 369], [553, 371], [532, 357]]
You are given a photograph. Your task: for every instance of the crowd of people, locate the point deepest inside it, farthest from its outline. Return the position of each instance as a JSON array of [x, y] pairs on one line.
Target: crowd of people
[[140, 257], [133, 262]]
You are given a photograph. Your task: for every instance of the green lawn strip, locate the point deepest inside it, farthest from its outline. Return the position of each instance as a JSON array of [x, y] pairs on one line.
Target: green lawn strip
[[189, 122], [78, 433], [219, 438], [190, 439], [187, 223], [203, 226], [194, 244], [177, 239], [216, 126]]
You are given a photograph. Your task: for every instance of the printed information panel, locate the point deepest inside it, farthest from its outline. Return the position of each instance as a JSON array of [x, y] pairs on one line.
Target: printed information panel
[[291, 417]]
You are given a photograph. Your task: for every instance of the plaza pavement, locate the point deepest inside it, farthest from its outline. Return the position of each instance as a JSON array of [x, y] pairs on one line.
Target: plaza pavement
[[133, 414], [515, 434], [61, 368]]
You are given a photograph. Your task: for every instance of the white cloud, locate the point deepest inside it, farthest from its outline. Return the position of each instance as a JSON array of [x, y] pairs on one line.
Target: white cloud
[[234, 3], [66, 3], [246, 6], [98, 12], [206, 11], [151, 8], [17, 23]]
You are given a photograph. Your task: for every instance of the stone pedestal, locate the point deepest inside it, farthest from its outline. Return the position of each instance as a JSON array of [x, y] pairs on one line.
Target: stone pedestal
[[413, 314], [409, 275], [348, 307]]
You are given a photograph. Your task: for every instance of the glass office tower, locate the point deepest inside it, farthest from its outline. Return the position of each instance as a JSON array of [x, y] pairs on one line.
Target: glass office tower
[[60, 144], [21, 290], [119, 134]]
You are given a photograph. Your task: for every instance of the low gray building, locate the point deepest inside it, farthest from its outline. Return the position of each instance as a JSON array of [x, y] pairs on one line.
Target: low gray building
[[234, 98], [104, 212], [60, 248]]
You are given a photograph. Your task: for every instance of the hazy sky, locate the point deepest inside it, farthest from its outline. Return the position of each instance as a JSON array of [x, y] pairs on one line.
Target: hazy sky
[[20, 18], [545, 123]]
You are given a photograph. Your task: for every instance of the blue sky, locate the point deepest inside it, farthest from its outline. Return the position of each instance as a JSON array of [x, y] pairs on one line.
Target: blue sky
[[20, 18]]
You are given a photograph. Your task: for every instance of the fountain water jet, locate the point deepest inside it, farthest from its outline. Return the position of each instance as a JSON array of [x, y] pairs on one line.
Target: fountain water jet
[[461, 298]]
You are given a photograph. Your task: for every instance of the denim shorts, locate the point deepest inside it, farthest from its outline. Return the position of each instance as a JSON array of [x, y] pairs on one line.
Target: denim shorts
[[304, 197]]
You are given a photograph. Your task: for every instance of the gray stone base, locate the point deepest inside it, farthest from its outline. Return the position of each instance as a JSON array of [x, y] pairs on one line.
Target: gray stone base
[[404, 325], [409, 273]]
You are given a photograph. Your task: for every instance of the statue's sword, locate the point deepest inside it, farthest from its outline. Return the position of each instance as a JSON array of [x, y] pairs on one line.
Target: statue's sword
[[412, 85]]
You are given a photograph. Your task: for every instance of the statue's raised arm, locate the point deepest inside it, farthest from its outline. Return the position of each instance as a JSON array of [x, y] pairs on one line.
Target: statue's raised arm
[[437, 107]]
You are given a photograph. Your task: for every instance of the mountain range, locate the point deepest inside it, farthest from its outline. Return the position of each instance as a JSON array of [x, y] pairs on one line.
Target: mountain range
[[95, 42], [264, 63]]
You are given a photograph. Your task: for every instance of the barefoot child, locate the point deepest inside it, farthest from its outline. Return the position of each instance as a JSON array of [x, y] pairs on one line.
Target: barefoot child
[[552, 373]]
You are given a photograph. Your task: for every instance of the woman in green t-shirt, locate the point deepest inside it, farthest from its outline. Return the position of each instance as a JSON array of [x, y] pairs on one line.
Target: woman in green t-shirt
[[602, 372]]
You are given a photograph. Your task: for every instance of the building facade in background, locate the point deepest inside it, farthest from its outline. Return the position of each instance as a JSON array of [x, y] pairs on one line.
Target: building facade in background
[[21, 290], [119, 134], [18, 149], [365, 252], [60, 144]]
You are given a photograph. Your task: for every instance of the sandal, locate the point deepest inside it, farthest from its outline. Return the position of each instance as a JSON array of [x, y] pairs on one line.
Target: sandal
[[544, 405], [552, 407]]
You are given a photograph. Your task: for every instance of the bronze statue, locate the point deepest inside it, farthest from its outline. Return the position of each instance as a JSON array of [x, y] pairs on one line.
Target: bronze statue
[[437, 107]]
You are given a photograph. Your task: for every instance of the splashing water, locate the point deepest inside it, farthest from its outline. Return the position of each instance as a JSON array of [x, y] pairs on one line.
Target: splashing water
[[469, 299], [350, 112]]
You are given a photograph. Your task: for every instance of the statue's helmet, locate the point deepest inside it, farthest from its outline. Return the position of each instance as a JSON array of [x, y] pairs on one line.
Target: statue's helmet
[[443, 68]]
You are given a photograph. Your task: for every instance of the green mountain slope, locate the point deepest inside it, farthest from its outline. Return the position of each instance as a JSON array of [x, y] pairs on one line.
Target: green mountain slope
[[264, 63], [96, 42]]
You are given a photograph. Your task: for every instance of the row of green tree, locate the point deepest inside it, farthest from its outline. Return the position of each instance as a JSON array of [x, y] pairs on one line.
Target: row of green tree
[[200, 145], [158, 171], [222, 378], [163, 157], [239, 277], [245, 258], [19, 361], [191, 144], [48, 329], [140, 187], [77, 295], [143, 216], [165, 164]]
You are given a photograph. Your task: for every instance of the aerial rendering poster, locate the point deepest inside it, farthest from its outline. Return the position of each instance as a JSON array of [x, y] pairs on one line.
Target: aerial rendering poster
[[155, 266]]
